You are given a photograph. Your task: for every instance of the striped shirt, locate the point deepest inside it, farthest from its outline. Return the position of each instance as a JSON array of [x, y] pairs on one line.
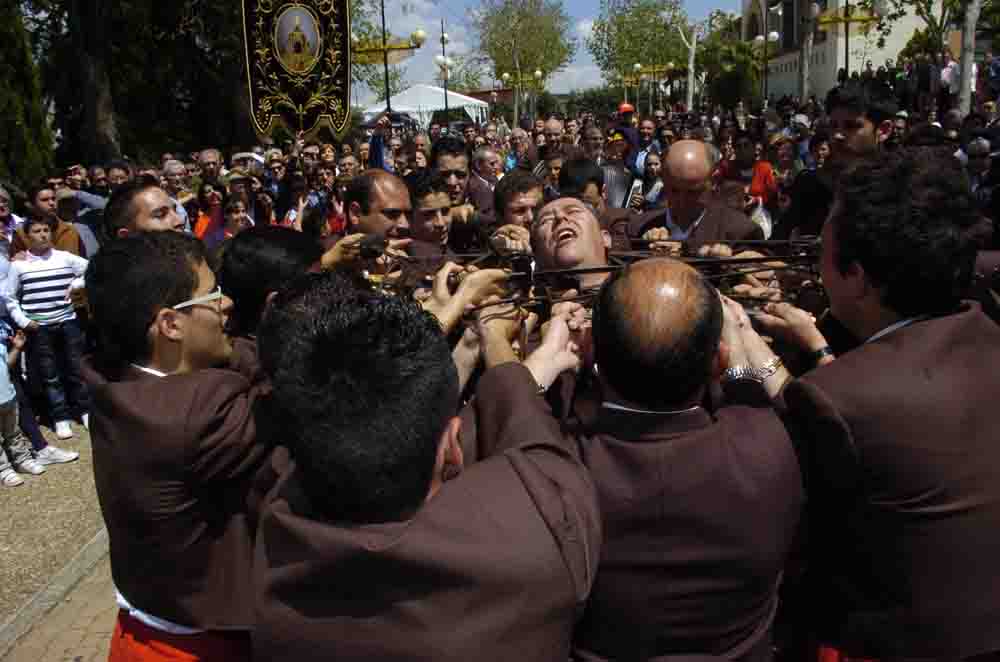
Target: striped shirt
[[37, 288]]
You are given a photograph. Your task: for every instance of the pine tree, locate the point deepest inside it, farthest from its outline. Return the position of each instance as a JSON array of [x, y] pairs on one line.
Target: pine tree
[[25, 138]]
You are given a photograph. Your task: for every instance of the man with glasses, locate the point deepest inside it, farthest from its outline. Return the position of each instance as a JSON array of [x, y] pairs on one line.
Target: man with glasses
[[520, 148], [174, 505]]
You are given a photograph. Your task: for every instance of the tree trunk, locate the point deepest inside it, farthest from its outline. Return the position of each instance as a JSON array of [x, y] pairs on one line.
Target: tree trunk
[[972, 10], [517, 89], [89, 21], [806, 51], [691, 78]]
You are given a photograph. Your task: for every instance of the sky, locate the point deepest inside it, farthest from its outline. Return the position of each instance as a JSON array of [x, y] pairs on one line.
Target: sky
[[405, 16]]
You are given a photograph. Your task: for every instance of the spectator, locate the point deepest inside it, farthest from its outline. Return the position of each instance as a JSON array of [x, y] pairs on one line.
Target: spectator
[[15, 454], [37, 297]]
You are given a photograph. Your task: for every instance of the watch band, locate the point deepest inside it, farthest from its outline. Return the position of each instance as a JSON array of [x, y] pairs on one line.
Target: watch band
[[738, 372], [821, 354]]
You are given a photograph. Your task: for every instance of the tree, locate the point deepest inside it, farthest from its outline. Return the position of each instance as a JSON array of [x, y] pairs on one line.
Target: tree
[[397, 81], [624, 31], [24, 133], [937, 15], [465, 75], [732, 70], [521, 36], [972, 10]]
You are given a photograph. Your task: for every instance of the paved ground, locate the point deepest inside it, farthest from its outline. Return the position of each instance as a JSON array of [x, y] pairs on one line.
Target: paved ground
[[78, 629], [45, 522]]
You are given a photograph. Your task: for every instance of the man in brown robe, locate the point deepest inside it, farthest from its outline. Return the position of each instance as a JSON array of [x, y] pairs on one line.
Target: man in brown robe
[[376, 543]]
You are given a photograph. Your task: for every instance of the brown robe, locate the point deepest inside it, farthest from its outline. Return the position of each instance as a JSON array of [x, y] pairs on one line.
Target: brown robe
[[174, 458], [719, 223], [899, 443], [699, 514], [496, 566]]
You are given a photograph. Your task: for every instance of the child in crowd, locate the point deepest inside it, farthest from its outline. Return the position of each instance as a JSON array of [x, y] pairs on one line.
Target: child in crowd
[[37, 297], [16, 453]]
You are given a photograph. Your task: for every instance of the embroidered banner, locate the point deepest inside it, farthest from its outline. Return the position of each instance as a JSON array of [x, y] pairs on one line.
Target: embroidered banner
[[298, 56]]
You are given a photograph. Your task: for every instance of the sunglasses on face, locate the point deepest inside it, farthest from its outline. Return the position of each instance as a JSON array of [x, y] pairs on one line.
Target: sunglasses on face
[[459, 174], [214, 295]]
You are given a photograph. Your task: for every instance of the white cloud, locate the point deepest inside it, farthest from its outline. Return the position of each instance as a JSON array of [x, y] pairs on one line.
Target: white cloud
[[575, 77], [584, 27]]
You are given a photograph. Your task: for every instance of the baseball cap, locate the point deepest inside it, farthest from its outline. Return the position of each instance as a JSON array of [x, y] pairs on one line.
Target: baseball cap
[[626, 108], [801, 119]]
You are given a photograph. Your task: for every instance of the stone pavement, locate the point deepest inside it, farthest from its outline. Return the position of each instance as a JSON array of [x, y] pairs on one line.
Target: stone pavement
[[78, 629]]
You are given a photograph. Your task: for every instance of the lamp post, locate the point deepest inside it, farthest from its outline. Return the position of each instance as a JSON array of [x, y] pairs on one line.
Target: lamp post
[[445, 63], [763, 42], [538, 86], [365, 52]]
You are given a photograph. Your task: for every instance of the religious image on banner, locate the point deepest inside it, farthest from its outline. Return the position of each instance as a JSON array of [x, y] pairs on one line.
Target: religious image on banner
[[298, 63]]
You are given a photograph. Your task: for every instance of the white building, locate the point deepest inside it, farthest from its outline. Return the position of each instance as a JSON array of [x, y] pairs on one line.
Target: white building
[[783, 17]]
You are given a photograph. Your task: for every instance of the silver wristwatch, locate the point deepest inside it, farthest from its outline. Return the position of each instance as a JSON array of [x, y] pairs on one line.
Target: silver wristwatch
[[739, 372]]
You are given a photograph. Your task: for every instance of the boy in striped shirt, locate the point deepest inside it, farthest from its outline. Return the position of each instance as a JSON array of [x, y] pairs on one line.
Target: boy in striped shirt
[[37, 296]]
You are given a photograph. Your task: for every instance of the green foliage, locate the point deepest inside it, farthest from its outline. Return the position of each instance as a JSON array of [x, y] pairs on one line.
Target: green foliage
[[938, 17], [466, 75], [626, 31], [601, 101], [397, 81], [520, 36], [177, 72], [24, 133], [731, 66], [920, 43]]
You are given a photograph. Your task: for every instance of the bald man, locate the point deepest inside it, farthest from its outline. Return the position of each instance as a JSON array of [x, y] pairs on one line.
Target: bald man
[[699, 508], [693, 215]]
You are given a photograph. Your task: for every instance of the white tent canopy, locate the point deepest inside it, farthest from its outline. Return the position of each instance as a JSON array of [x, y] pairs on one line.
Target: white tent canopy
[[422, 101]]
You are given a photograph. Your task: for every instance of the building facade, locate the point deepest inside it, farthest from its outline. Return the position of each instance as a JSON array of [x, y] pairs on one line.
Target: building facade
[[830, 48]]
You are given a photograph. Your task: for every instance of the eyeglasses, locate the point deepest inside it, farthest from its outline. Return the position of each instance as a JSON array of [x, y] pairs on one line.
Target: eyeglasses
[[214, 295]]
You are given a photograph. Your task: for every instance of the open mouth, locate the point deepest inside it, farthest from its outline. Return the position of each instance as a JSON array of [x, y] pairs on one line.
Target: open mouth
[[565, 235]]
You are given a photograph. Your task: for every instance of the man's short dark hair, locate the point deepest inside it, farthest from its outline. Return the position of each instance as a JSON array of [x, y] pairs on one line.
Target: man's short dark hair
[[447, 146], [36, 188], [38, 220], [869, 98], [258, 261], [366, 385], [577, 174], [118, 212], [359, 190], [118, 165], [661, 376], [128, 281], [513, 184], [423, 183], [907, 217]]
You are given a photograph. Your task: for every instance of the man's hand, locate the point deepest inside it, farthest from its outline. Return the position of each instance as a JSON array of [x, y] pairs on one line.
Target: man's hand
[[462, 213], [557, 354], [18, 340], [636, 201], [511, 239], [475, 287], [578, 319], [660, 243], [348, 251], [32, 327], [656, 234], [793, 325], [715, 250]]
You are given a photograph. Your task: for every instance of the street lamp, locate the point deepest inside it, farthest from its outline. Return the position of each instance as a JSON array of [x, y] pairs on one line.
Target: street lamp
[[445, 63], [538, 86]]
